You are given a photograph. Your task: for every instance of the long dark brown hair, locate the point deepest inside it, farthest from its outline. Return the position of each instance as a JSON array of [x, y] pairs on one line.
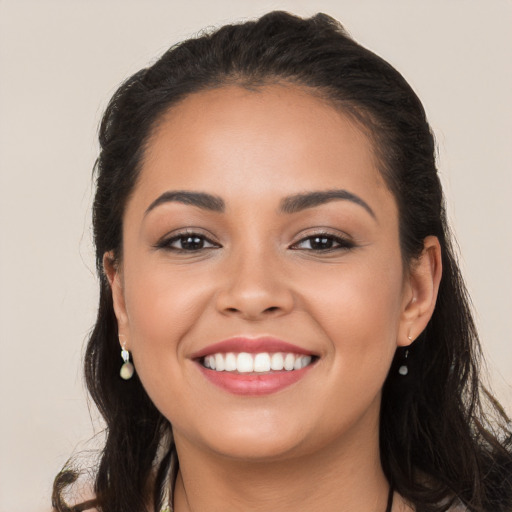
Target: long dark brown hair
[[442, 436]]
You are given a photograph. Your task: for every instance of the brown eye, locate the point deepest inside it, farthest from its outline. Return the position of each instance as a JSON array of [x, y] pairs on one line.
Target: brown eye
[[187, 242], [323, 242], [191, 243]]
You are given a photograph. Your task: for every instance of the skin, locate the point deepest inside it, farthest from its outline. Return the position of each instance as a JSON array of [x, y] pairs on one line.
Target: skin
[[313, 445]]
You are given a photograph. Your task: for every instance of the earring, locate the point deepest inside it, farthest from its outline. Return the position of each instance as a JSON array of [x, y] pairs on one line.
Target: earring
[[404, 369], [127, 369]]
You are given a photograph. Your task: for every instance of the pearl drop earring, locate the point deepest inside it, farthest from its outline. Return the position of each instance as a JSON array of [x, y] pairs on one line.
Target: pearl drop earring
[[404, 369], [127, 369]]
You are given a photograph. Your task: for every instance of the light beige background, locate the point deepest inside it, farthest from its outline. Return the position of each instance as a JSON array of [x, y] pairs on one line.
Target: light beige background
[[59, 63]]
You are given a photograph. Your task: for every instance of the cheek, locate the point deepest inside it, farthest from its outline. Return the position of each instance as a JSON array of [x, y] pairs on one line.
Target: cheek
[[163, 308], [359, 315], [359, 309], [162, 304]]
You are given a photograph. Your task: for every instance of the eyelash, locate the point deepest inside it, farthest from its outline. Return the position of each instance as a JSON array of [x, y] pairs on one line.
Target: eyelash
[[166, 243], [340, 243], [324, 237]]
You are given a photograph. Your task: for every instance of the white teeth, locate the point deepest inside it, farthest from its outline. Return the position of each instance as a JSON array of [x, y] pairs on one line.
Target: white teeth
[[289, 362], [230, 362], [244, 362], [277, 362], [219, 362], [262, 363], [306, 361], [301, 362]]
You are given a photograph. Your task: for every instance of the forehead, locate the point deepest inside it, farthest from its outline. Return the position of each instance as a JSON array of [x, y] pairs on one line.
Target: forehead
[[277, 139]]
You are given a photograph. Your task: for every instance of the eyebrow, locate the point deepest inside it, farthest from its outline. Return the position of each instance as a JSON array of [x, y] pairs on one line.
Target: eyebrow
[[199, 199], [299, 202], [289, 205]]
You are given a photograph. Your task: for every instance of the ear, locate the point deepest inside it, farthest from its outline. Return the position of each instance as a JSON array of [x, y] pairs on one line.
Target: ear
[[421, 288], [113, 272]]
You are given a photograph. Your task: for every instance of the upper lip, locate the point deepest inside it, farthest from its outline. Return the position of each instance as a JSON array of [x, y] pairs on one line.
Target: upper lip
[[252, 346]]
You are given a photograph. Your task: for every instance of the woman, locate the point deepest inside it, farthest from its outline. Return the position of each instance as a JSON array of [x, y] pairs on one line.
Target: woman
[[276, 263]]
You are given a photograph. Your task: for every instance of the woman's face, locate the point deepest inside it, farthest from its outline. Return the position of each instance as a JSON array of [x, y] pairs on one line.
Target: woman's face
[[261, 226]]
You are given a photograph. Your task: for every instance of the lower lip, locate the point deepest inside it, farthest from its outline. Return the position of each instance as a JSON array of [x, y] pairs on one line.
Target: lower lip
[[254, 384]]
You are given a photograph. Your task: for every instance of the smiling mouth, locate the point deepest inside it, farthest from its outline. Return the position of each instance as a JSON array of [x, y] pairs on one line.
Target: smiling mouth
[[258, 363]]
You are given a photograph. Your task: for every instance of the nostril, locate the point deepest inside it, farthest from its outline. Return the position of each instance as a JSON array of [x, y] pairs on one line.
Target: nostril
[[271, 309]]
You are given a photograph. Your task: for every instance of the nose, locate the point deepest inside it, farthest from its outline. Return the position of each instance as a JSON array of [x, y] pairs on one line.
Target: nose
[[254, 287]]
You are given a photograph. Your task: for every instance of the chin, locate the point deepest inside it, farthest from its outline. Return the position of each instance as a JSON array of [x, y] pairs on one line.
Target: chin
[[256, 448], [248, 440]]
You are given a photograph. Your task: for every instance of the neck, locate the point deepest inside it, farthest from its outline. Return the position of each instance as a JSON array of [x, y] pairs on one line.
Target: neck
[[345, 475]]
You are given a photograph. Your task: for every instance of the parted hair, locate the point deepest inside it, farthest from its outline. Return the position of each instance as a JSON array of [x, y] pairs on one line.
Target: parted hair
[[443, 437]]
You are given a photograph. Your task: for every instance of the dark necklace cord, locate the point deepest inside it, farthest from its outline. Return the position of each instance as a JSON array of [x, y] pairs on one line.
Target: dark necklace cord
[[390, 499]]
